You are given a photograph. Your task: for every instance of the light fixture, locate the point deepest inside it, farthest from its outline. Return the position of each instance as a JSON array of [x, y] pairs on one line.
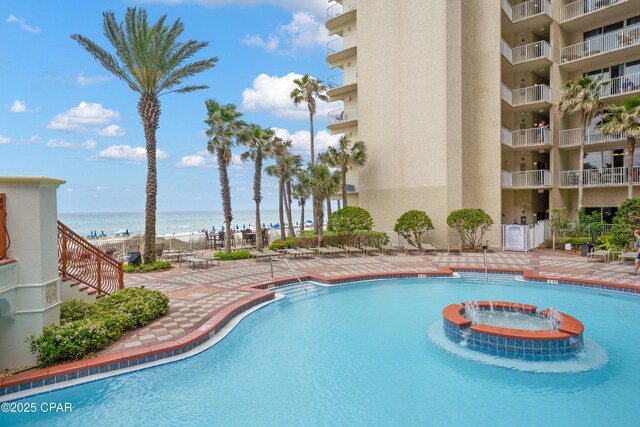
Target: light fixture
[[541, 28]]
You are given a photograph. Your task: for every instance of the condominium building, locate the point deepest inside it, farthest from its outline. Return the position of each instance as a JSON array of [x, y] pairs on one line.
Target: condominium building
[[457, 101]]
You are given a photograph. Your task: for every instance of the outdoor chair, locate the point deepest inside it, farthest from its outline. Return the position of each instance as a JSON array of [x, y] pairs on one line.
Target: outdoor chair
[[599, 253], [292, 253], [627, 255], [429, 247], [159, 249], [369, 250], [454, 248], [391, 249], [412, 250], [306, 252], [352, 250], [337, 251]]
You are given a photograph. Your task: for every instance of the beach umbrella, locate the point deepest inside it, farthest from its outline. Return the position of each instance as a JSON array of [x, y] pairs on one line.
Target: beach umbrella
[[309, 221], [264, 225], [237, 227], [243, 226], [213, 228], [223, 228]]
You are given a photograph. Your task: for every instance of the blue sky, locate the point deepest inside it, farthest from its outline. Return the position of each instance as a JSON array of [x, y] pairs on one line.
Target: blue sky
[[62, 115]]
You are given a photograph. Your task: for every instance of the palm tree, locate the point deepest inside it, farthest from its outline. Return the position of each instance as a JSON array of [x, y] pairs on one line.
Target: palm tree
[[273, 170], [292, 164], [224, 127], [259, 142], [345, 156], [582, 96], [624, 119], [302, 192], [323, 182], [308, 89], [286, 163], [152, 62]]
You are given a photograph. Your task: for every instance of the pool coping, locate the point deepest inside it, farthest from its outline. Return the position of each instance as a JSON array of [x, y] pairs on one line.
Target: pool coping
[[260, 293]]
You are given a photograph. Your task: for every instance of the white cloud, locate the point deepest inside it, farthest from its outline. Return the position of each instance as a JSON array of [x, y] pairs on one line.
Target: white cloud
[[82, 80], [101, 188], [22, 23], [83, 118], [111, 130], [301, 143], [68, 190], [18, 106], [271, 93], [61, 143], [126, 153], [304, 32], [315, 7], [5, 139], [194, 161]]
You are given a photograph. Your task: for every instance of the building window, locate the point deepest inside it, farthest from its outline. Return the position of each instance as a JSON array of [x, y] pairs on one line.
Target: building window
[[633, 21]]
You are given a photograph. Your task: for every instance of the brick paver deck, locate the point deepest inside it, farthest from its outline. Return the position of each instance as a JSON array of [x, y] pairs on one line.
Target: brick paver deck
[[196, 294]]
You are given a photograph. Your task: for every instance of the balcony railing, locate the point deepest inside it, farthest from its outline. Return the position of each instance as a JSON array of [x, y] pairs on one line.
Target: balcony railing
[[584, 7], [343, 115], [526, 10], [603, 177], [574, 137], [609, 42], [526, 179], [525, 95], [341, 43], [528, 52], [534, 137], [621, 85], [342, 79], [338, 9], [5, 241]]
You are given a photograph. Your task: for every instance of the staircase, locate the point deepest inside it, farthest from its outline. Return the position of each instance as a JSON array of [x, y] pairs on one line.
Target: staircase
[[83, 265]]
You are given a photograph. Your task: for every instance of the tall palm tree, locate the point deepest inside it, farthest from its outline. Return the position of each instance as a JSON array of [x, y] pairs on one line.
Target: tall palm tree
[[323, 182], [273, 170], [583, 97], [308, 90], [292, 164], [259, 143], [624, 119], [302, 192], [345, 155], [224, 127], [285, 165], [152, 62]]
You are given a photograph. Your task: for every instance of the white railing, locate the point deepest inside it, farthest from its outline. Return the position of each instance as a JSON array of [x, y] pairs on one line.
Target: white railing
[[525, 95], [527, 52], [535, 234], [528, 9], [606, 228], [526, 179], [574, 137], [341, 43], [599, 177], [621, 85], [616, 40], [584, 7], [533, 137], [342, 115], [338, 9], [342, 79]]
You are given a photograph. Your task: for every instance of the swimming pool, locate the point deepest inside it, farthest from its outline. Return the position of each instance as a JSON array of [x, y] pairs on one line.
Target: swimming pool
[[361, 354]]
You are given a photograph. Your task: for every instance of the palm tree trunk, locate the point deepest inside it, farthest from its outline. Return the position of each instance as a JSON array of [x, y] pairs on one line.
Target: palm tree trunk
[[581, 169], [225, 192], [149, 110], [344, 187], [328, 208], [302, 202], [631, 141], [257, 197], [288, 201], [281, 205], [313, 156], [319, 214]]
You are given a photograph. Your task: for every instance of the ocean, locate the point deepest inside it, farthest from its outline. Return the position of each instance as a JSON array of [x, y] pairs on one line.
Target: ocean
[[166, 222]]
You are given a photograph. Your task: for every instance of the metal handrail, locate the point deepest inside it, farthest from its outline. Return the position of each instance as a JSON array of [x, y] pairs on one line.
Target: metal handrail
[[527, 52], [574, 137], [525, 95], [338, 9], [80, 260], [525, 137], [599, 177], [609, 42], [584, 7], [290, 268], [526, 10]]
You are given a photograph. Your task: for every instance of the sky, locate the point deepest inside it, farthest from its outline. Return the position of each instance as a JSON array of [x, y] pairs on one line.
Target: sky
[[64, 116]]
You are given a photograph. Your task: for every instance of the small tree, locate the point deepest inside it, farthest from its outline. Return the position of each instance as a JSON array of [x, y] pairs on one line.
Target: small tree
[[591, 224], [412, 225], [627, 220], [558, 223], [350, 219], [471, 224]]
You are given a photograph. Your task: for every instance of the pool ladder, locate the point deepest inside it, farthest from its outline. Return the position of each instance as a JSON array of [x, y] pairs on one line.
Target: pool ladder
[[290, 268]]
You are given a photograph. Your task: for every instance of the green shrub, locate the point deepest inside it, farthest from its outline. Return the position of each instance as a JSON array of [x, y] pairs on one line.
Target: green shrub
[[576, 242], [627, 220], [157, 265], [471, 224], [412, 225], [350, 219], [310, 240], [242, 254], [87, 328], [288, 243], [558, 221], [591, 225]]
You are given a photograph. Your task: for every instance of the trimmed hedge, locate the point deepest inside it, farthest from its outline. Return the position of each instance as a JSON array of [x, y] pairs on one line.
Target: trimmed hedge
[[86, 328], [369, 238], [576, 242], [154, 266], [350, 219], [242, 254]]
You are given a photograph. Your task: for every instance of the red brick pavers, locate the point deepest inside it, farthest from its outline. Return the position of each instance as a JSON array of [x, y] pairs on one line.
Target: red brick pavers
[[197, 294]]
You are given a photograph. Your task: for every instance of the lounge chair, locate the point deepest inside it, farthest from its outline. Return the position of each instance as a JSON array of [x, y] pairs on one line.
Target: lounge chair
[[271, 253], [337, 251], [258, 255], [159, 249], [368, 250], [627, 255], [293, 253], [427, 247], [412, 249], [323, 251], [391, 249], [193, 261], [599, 253], [352, 250], [306, 252], [454, 248]]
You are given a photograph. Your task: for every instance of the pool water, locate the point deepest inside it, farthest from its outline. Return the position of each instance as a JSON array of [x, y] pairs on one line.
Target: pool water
[[360, 355], [514, 320]]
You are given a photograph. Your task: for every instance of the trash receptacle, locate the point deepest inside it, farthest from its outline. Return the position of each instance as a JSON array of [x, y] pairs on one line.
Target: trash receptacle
[[567, 247], [134, 259], [586, 248]]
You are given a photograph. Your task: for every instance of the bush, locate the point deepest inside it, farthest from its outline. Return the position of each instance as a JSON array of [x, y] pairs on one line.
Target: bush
[[471, 224], [86, 328], [576, 242], [591, 225], [558, 221], [350, 219], [627, 220], [242, 254], [310, 240], [412, 225], [154, 266]]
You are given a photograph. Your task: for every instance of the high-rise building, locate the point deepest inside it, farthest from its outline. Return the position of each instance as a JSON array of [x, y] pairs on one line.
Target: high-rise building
[[457, 101]]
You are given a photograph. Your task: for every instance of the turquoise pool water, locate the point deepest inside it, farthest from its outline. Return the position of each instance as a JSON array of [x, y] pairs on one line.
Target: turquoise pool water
[[361, 355]]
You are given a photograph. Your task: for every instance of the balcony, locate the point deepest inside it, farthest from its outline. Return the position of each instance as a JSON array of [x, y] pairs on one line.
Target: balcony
[[621, 86], [339, 14], [625, 41], [526, 138], [570, 138], [528, 52], [343, 118], [526, 96], [341, 48], [605, 177], [341, 83], [585, 13], [526, 10], [526, 179]]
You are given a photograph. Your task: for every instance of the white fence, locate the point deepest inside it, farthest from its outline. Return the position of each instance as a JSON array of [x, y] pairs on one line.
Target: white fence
[[533, 137], [574, 137], [525, 95], [621, 85], [583, 7], [629, 36], [526, 10], [526, 179], [527, 52], [534, 236], [599, 177]]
